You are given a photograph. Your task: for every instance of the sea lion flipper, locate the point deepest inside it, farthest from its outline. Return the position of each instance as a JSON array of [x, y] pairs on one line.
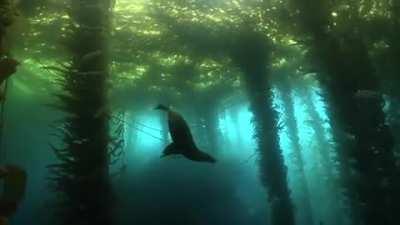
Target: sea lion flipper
[[170, 149]]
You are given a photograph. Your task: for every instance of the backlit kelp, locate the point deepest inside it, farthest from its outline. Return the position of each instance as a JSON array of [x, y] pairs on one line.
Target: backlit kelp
[[346, 69], [297, 100], [82, 176]]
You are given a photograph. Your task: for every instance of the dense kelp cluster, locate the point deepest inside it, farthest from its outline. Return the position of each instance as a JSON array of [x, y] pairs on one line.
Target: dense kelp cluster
[[82, 178]]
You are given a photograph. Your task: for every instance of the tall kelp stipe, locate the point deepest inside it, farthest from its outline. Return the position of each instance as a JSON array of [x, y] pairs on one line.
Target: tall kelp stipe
[[385, 53], [318, 161], [293, 135], [346, 69], [252, 57], [320, 154], [82, 176]]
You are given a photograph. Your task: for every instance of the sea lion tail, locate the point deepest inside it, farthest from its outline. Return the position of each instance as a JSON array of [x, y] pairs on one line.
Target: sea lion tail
[[204, 157]]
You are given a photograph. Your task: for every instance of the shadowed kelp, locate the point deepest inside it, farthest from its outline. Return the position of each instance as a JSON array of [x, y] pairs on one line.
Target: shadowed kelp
[[251, 52], [81, 178], [346, 69]]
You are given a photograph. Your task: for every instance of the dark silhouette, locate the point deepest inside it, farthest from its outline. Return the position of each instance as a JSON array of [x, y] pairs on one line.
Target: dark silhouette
[[14, 187], [182, 139], [81, 176], [8, 67]]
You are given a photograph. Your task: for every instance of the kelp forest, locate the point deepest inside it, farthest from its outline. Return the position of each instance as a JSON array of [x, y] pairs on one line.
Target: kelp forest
[[199, 112]]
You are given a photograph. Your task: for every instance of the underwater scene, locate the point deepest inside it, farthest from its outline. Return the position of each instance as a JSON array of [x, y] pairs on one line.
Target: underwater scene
[[199, 112]]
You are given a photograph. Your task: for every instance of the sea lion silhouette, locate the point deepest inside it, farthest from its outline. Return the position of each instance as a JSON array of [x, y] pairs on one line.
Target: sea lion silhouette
[[182, 139]]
